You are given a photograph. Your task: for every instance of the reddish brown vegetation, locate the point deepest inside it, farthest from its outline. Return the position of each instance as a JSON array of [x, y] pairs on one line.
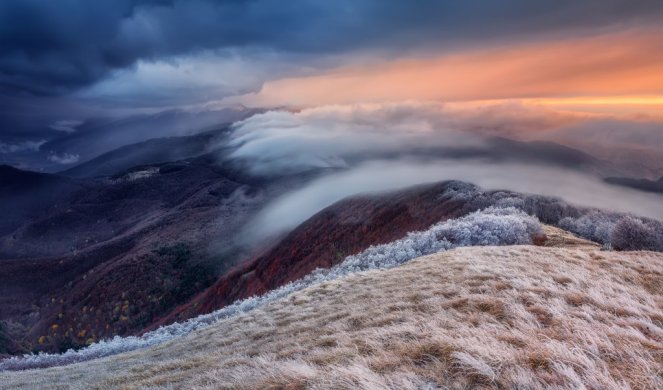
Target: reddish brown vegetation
[[343, 229], [101, 262]]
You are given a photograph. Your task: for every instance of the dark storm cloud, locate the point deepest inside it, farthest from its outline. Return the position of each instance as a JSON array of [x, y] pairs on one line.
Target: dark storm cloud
[[53, 47], [81, 61]]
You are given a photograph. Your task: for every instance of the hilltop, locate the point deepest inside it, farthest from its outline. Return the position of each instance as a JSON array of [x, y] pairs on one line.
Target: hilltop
[[563, 316]]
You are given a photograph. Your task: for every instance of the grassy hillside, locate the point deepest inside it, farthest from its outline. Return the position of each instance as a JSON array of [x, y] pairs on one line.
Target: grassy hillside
[[479, 317]]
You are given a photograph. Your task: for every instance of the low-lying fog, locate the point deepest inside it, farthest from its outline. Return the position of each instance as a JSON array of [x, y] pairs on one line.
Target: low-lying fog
[[578, 188], [378, 147]]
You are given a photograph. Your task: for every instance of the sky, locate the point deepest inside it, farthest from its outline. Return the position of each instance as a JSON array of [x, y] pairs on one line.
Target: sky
[[66, 64]]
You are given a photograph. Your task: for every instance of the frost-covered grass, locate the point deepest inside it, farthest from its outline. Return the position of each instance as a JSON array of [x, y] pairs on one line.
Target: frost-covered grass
[[510, 317], [504, 219], [492, 226]]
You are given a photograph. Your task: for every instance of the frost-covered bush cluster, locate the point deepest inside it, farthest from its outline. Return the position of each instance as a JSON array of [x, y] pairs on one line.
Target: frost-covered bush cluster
[[595, 225], [547, 209], [619, 231], [492, 226], [616, 230], [630, 233]]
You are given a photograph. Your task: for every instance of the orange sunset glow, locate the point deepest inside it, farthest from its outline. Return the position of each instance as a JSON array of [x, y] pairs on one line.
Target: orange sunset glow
[[623, 71]]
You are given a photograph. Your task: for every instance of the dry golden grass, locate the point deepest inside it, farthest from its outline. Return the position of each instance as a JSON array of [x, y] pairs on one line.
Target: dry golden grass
[[519, 317]]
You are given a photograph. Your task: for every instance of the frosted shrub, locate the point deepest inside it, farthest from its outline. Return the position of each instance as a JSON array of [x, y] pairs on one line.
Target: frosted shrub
[[549, 209], [461, 191], [546, 208], [632, 234], [595, 225], [511, 201], [618, 231], [492, 226]]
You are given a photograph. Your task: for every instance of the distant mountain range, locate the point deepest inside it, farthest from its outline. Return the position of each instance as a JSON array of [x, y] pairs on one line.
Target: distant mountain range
[[99, 136], [154, 151]]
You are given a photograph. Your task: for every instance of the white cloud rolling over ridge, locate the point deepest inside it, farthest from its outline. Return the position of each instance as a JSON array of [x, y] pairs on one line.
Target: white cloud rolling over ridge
[[379, 147], [582, 189], [332, 136]]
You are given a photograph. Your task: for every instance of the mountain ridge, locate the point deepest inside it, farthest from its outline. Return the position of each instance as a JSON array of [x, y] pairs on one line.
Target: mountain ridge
[[483, 312]]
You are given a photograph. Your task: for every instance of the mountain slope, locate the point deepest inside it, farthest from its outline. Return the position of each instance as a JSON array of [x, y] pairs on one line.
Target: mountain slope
[[545, 152], [482, 317], [153, 151], [342, 229], [102, 135], [25, 194], [116, 254], [639, 184], [356, 223]]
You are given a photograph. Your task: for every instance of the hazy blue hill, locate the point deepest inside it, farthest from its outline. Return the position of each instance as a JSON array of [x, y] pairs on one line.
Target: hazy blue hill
[[639, 184]]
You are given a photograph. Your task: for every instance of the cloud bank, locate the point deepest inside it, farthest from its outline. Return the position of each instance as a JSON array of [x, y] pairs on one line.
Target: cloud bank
[[67, 126], [376, 176], [32, 146], [115, 59], [379, 147], [336, 136], [328, 137]]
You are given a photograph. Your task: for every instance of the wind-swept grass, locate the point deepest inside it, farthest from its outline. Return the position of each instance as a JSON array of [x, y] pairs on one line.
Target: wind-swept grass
[[492, 226], [483, 317]]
